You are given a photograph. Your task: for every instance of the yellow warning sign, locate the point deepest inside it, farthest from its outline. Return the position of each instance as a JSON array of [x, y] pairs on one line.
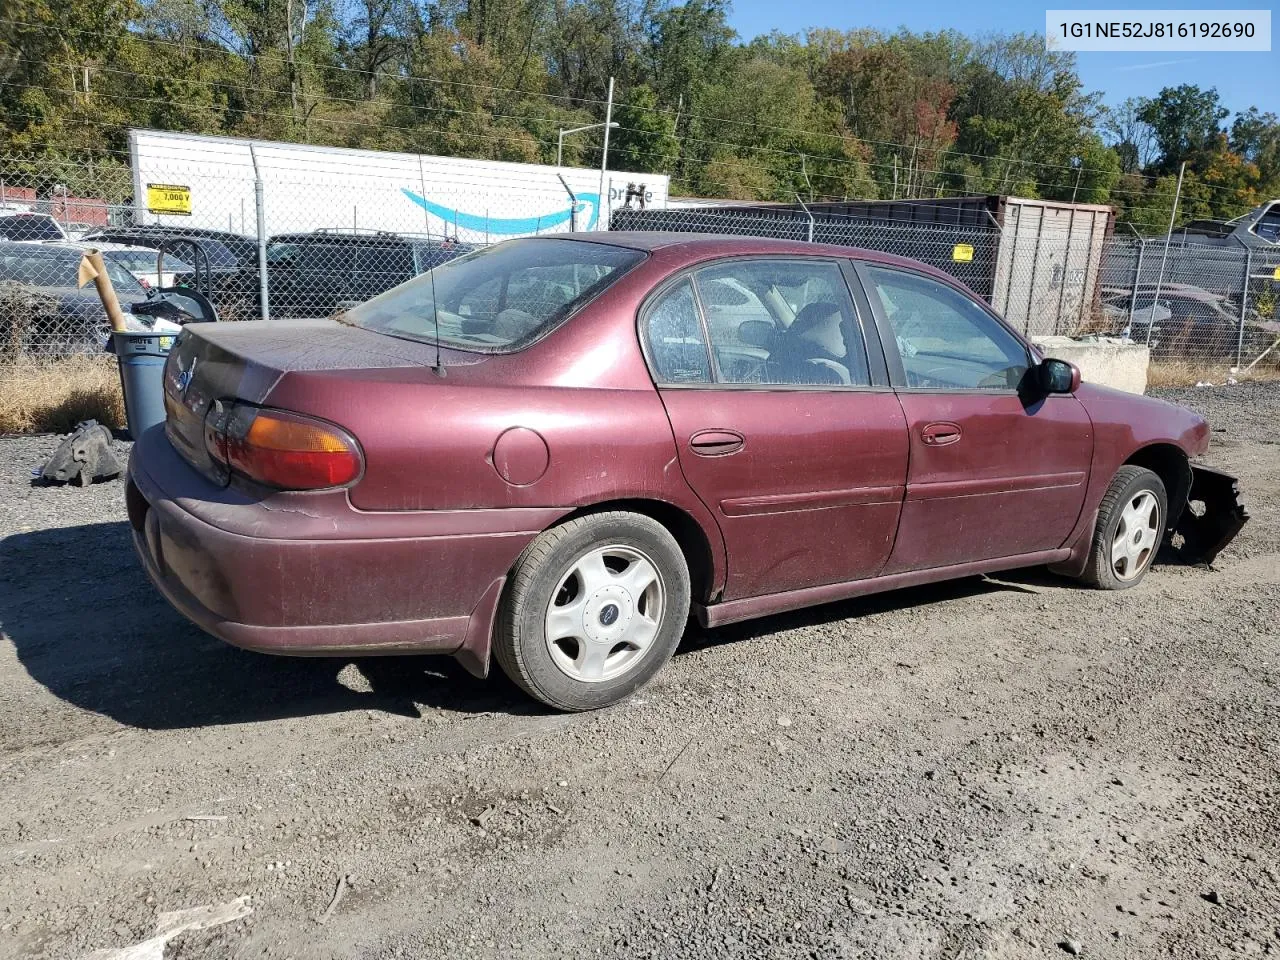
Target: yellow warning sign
[[962, 253], [1276, 275], [169, 198]]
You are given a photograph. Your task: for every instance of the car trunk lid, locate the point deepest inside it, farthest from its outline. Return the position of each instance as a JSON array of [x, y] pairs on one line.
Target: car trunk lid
[[213, 364]]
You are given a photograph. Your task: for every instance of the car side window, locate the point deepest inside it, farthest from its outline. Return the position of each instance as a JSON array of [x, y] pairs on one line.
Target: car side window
[[1268, 225], [782, 322], [946, 340], [382, 267], [674, 333]]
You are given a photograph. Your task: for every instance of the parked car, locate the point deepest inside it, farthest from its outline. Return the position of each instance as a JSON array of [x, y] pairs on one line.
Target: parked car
[[30, 226], [44, 310], [1186, 321], [154, 268], [541, 451], [315, 274], [150, 266], [223, 266], [42, 305]]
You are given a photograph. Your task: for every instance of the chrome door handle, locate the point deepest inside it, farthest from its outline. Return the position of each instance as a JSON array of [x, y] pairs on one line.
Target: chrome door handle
[[716, 443]]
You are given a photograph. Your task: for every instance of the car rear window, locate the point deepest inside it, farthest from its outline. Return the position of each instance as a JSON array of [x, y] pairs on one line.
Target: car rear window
[[146, 260], [59, 268], [498, 299], [33, 226]]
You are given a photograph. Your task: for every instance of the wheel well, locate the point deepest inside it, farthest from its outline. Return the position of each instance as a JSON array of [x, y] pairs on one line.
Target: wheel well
[[689, 535], [1172, 466]]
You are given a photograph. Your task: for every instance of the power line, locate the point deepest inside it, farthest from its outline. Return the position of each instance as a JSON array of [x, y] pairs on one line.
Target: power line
[[397, 77], [385, 126]]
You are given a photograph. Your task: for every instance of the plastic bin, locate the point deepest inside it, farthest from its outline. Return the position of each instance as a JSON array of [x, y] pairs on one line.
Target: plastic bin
[[141, 357]]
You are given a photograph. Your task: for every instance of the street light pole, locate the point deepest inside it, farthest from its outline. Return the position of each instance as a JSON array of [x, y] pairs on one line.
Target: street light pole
[[565, 133]]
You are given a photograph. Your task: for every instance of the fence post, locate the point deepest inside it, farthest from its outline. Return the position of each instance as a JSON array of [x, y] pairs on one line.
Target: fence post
[[1244, 299], [807, 214], [1035, 263], [1164, 257], [264, 308], [573, 204], [1137, 277], [1066, 262]]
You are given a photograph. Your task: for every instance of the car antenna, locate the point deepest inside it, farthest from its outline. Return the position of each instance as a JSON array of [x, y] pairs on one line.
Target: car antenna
[[435, 321]]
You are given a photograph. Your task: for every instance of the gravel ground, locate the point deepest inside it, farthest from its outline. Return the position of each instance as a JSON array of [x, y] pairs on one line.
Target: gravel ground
[[999, 767]]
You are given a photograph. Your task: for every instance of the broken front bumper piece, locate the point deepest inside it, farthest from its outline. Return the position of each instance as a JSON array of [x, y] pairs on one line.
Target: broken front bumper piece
[[1214, 514]]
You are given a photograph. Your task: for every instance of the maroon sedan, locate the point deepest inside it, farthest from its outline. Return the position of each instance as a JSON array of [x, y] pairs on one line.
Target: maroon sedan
[[555, 449]]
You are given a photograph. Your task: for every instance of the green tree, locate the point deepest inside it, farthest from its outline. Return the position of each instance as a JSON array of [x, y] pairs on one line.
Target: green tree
[[645, 139], [1186, 122]]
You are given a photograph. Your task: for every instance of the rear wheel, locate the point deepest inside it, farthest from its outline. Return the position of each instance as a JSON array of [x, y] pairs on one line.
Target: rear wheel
[[593, 610], [1130, 529]]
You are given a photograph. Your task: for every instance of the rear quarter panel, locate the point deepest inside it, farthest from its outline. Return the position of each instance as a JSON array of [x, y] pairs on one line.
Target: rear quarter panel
[[431, 442]]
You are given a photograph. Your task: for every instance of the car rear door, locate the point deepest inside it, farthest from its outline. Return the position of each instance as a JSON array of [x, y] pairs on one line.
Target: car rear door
[[994, 470], [785, 424]]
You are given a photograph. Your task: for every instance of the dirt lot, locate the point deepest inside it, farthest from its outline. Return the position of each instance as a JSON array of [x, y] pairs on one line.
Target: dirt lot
[[1008, 767]]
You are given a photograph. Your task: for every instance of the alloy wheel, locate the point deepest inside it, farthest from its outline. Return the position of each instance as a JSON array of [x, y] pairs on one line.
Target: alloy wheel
[[604, 613]]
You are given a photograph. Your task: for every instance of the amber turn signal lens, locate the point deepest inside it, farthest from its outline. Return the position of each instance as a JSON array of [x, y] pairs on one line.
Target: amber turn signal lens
[[293, 452]]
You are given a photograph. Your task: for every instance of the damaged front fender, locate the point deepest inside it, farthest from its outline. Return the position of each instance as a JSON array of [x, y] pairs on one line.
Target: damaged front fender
[[1214, 514]]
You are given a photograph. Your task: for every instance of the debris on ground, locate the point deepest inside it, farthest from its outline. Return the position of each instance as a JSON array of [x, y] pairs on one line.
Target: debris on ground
[[85, 456], [171, 924]]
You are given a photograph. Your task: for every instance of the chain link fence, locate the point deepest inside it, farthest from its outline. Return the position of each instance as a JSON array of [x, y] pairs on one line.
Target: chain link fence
[[307, 242]]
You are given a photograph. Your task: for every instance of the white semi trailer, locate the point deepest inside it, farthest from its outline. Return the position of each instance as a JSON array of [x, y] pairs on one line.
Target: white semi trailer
[[188, 180]]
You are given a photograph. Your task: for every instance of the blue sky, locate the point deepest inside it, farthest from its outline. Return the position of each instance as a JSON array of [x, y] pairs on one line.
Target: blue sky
[[1242, 79]]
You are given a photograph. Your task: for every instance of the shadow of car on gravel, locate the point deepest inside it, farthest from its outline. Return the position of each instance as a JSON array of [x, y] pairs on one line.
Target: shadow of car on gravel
[[1022, 581], [87, 624]]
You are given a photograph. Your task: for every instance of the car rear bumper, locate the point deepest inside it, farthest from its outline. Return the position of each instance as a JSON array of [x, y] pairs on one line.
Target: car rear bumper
[[308, 574]]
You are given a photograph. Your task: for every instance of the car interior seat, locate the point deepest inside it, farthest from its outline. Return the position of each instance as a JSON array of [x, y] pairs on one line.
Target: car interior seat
[[813, 350]]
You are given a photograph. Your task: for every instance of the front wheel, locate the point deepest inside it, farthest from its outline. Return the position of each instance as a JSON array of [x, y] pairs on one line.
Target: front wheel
[[1130, 529], [593, 609]]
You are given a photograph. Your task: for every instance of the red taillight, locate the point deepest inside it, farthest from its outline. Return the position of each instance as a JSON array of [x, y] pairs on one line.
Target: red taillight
[[287, 450]]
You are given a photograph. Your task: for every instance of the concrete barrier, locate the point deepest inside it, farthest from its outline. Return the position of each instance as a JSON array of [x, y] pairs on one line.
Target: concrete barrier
[[1110, 361]]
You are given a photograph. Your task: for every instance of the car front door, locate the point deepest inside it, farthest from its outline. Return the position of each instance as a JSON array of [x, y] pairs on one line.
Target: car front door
[[784, 421], [995, 470]]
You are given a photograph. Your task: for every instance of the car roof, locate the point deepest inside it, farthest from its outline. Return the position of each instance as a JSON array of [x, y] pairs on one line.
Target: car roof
[[169, 229], [700, 246], [149, 234], [102, 246], [329, 236], [15, 247]]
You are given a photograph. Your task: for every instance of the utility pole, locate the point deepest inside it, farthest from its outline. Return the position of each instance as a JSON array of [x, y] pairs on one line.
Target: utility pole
[[602, 210]]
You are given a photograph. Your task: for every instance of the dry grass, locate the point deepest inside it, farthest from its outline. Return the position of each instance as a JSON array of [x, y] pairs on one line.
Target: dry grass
[[55, 395], [1187, 373]]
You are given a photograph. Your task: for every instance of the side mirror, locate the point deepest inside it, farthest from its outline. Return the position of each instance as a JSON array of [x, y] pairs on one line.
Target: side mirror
[[1058, 376]]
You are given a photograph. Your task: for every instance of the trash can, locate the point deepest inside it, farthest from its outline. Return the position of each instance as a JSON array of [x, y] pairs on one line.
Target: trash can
[[141, 357]]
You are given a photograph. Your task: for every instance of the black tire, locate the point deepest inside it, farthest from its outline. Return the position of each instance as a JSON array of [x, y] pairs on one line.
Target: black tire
[[520, 636], [1128, 485]]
